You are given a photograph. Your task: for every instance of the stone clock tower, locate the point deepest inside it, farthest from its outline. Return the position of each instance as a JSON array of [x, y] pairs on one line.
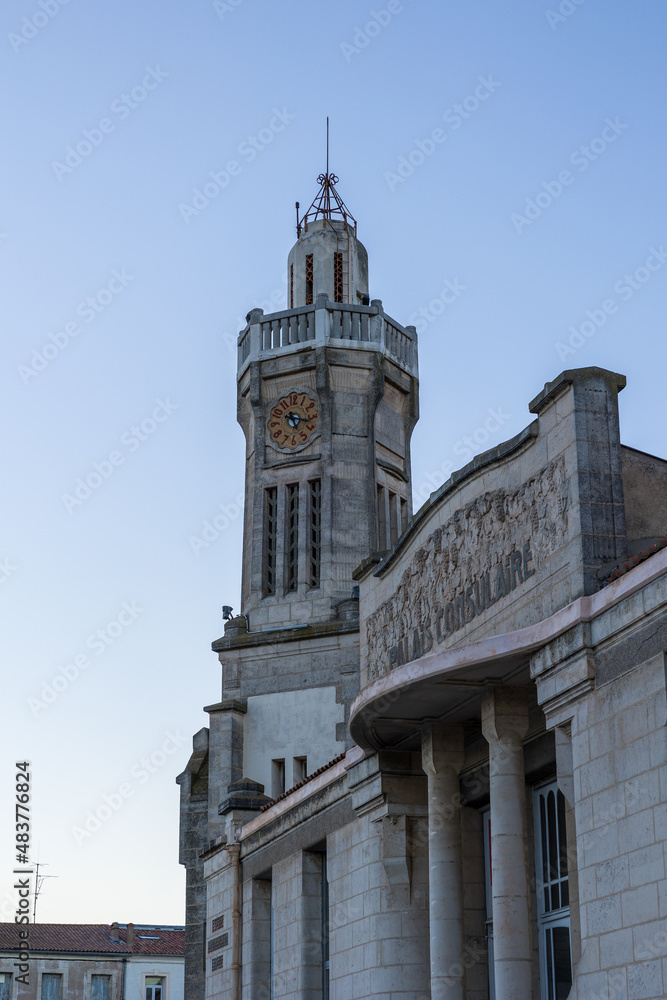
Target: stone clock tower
[[327, 399]]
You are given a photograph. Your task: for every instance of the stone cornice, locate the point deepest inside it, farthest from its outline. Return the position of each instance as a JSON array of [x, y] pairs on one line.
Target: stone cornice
[[272, 637], [466, 660]]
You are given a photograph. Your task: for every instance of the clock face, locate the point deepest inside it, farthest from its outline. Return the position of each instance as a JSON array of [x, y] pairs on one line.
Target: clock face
[[293, 420]]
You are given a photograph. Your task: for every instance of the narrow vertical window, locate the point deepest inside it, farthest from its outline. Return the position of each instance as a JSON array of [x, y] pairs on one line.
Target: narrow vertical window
[[270, 539], [277, 777], [338, 277], [299, 769], [291, 286], [315, 529], [404, 516], [381, 519], [5, 985], [309, 279], [393, 518], [553, 898], [292, 512]]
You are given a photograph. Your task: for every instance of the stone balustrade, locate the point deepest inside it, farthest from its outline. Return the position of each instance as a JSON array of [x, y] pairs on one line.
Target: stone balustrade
[[327, 321]]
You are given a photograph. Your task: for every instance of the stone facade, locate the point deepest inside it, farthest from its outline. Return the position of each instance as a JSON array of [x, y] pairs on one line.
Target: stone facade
[[451, 781]]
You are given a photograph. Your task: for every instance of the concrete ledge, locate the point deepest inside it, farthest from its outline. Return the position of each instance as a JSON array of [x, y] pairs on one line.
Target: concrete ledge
[[300, 633]]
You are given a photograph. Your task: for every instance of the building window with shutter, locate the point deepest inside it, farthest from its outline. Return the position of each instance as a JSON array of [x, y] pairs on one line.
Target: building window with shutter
[[52, 986], [100, 988]]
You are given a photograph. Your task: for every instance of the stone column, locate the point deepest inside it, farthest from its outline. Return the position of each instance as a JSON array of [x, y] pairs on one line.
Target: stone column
[[442, 759], [504, 724]]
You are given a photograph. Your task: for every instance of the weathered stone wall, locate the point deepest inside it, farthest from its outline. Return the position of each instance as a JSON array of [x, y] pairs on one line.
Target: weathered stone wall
[[463, 559], [217, 949], [604, 690], [620, 772], [556, 487], [76, 975], [349, 387], [333, 659], [193, 837], [297, 927], [291, 724], [379, 929], [645, 489]]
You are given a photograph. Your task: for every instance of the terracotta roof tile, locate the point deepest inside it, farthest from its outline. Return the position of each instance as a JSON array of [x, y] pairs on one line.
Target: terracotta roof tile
[[635, 560], [304, 781], [95, 938]]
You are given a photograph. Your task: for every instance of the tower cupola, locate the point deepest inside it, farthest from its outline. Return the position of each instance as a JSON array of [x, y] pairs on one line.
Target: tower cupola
[[327, 257]]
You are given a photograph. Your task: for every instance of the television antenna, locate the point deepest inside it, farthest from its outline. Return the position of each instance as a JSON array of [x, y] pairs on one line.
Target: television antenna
[[39, 882]]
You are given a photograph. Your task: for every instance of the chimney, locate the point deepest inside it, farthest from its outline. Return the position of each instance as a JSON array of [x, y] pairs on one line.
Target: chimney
[[115, 934], [130, 936]]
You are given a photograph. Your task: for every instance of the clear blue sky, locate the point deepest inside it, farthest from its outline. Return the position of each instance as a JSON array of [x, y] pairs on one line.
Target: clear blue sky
[[169, 93]]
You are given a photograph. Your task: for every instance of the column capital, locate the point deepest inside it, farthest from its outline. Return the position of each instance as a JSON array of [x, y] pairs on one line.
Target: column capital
[[442, 748], [504, 713]]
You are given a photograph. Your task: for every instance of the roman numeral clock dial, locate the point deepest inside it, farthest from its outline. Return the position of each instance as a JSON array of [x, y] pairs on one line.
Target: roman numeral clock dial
[[293, 420]]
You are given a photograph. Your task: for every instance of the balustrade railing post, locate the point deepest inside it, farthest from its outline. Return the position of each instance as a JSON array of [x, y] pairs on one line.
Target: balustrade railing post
[[322, 319], [377, 323], [255, 333]]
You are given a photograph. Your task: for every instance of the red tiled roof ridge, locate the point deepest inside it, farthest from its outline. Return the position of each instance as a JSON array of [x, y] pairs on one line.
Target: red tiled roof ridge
[[95, 939], [635, 560], [304, 781]]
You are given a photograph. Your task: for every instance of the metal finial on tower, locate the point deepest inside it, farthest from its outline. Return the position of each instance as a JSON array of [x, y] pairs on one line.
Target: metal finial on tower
[[327, 203]]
